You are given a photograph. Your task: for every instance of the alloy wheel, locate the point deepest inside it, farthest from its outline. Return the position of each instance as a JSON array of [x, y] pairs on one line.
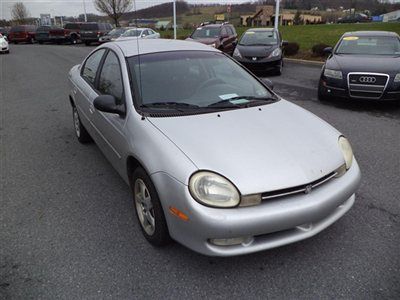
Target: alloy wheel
[[144, 207]]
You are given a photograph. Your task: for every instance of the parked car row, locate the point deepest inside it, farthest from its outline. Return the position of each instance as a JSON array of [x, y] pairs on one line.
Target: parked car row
[[4, 48]]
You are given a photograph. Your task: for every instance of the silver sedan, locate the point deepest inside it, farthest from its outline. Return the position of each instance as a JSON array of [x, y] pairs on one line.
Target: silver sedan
[[215, 159]]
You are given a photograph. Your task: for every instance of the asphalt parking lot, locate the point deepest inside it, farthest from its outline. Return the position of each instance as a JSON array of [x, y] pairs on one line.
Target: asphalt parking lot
[[67, 224]]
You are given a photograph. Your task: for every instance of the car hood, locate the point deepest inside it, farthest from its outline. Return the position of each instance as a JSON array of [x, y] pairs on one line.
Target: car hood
[[365, 63], [2, 40], [207, 41], [259, 149], [256, 51]]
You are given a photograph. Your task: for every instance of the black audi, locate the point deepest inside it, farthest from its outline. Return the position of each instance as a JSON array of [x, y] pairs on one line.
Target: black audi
[[363, 65], [260, 49]]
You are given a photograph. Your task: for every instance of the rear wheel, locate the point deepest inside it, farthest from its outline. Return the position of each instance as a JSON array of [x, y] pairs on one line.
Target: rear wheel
[[74, 39], [80, 131], [148, 209]]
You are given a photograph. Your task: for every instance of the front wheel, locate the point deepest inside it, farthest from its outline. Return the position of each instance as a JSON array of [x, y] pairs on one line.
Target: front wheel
[[80, 131], [279, 68], [74, 39], [322, 96], [148, 209], [87, 43]]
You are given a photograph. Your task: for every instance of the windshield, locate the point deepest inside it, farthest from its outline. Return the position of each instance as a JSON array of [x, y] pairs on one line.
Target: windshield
[[206, 32], [132, 32], [194, 78], [259, 38], [376, 45]]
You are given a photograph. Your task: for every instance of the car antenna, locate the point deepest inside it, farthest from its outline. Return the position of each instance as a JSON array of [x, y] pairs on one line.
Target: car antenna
[[140, 70]]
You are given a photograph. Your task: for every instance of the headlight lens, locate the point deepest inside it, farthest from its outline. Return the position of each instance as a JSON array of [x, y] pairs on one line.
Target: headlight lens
[[345, 146], [397, 77], [333, 74], [213, 190], [276, 52], [236, 53], [214, 45]]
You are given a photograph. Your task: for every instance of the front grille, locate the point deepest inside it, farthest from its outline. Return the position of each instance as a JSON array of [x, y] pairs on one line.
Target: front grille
[[367, 85], [305, 188], [251, 58]]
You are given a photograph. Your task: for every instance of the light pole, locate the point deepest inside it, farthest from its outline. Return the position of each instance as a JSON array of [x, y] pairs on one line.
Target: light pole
[[277, 14], [174, 9], [84, 10]]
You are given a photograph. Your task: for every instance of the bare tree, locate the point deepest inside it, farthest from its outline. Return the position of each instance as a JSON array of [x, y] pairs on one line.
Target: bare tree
[[113, 8], [19, 12]]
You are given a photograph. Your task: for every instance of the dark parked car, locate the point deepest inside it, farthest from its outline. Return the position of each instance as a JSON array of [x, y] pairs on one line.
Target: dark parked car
[[69, 34], [42, 33], [22, 33], [363, 65], [221, 36], [91, 32], [260, 49], [356, 18], [113, 34]]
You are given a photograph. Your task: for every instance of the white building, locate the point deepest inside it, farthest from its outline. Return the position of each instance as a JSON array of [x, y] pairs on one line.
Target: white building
[[393, 16]]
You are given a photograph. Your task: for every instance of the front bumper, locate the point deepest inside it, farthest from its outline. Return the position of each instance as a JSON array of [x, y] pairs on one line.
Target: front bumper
[[264, 64], [271, 224], [339, 89], [4, 49]]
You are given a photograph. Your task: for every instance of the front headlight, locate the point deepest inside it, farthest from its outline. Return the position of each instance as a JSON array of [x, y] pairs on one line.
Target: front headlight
[[276, 52], [345, 146], [397, 77], [236, 53], [214, 190], [333, 74], [214, 45]]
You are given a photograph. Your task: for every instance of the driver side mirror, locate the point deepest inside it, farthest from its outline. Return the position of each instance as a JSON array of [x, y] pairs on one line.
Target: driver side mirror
[[268, 83], [108, 104], [224, 36], [328, 50], [143, 35], [285, 43]]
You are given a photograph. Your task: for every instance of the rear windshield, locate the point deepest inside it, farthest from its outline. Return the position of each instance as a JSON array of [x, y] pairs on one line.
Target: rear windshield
[[206, 32], [373, 45], [89, 27]]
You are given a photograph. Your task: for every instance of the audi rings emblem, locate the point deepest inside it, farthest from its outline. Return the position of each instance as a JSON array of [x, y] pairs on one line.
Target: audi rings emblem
[[367, 79]]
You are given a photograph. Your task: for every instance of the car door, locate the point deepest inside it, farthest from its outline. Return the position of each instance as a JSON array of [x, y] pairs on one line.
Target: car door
[[84, 89], [226, 40], [109, 125]]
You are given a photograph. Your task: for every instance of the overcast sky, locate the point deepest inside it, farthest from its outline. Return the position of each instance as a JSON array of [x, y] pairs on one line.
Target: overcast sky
[[75, 7]]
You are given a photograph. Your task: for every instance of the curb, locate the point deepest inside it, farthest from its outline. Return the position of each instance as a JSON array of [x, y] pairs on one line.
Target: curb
[[304, 62]]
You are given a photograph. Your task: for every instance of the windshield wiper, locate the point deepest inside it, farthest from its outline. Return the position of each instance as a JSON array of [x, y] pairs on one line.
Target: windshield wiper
[[179, 106], [227, 103]]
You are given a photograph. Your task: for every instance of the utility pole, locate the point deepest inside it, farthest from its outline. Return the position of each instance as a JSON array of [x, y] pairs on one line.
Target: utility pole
[[84, 10], [174, 8], [277, 14]]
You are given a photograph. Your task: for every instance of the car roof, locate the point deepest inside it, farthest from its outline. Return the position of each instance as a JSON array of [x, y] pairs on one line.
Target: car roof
[[261, 29], [146, 46], [371, 33]]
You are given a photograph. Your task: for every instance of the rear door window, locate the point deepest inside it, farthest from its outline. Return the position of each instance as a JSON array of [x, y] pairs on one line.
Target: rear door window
[[91, 66]]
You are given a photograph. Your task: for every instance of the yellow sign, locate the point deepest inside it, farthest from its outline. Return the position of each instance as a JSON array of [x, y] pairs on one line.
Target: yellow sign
[[350, 38], [219, 17]]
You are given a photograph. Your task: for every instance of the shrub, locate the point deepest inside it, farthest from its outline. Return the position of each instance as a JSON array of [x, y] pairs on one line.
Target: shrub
[[291, 49], [318, 49], [167, 36]]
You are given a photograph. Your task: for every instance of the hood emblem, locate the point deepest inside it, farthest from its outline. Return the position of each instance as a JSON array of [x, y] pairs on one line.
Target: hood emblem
[[254, 58], [367, 79], [308, 189]]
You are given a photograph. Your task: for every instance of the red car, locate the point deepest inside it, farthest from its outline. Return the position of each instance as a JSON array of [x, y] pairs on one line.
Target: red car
[[22, 33], [71, 33]]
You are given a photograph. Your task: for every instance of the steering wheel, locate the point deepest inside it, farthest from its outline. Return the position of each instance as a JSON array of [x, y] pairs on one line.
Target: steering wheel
[[211, 81]]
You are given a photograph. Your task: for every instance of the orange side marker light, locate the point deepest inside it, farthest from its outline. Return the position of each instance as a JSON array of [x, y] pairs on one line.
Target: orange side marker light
[[178, 213]]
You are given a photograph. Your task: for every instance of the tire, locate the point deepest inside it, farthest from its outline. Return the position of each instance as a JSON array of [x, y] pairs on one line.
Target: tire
[[74, 39], [8, 51], [323, 97], [15, 42], [80, 131], [40, 42], [31, 40], [279, 69], [149, 211], [87, 43]]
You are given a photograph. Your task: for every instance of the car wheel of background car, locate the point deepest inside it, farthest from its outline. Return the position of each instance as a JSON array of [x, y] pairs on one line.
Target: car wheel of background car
[[15, 42], [87, 43], [74, 39], [40, 42], [80, 131], [31, 40], [279, 69], [148, 209], [8, 51], [321, 95]]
